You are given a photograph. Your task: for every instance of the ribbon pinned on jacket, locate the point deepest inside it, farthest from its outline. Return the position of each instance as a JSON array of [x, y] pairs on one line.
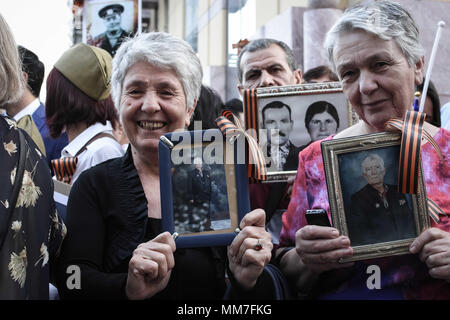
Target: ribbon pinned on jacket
[[64, 168], [409, 161], [230, 126]]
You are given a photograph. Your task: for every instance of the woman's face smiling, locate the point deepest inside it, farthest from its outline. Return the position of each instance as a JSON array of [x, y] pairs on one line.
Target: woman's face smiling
[[376, 77], [153, 103]]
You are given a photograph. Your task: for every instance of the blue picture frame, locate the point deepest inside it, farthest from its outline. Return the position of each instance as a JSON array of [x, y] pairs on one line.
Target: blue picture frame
[[237, 189]]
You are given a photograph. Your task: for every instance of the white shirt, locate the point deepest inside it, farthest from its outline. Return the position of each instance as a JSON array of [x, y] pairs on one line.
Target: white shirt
[[28, 110], [96, 152]]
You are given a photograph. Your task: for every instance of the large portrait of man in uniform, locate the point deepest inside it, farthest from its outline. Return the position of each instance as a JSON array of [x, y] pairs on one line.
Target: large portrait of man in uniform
[[106, 24]]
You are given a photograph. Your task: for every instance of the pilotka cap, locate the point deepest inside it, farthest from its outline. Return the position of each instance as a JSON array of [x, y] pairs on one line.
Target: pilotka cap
[[88, 68]]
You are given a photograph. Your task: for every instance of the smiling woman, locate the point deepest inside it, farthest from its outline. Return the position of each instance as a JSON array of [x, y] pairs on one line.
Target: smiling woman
[[375, 49], [154, 104], [114, 210]]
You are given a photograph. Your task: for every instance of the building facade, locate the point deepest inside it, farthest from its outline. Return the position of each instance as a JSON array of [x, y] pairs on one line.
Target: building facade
[[213, 26]]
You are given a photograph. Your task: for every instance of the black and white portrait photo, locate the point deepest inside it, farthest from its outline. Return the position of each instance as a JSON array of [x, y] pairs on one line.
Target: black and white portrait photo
[[107, 23], [374, 209], [289, 123], [278, 124]]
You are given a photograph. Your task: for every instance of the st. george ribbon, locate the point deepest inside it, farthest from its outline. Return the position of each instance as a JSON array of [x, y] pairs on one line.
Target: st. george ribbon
[[412, 134]]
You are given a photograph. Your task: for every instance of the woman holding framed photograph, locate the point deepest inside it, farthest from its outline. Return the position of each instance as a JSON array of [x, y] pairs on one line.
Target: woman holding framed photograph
[[114, 210], [375, 49]]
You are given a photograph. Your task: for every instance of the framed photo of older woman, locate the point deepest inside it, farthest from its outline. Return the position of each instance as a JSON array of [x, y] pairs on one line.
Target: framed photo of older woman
[[286, 119], [362, 182], [204, 190]]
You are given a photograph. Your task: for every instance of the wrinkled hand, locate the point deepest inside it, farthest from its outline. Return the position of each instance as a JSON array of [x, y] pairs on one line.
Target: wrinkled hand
[[247, 263], [320, 248], [150, 267], [433, 247]]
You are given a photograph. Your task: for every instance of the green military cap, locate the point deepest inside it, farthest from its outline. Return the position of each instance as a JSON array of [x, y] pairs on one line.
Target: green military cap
[[88, 68]]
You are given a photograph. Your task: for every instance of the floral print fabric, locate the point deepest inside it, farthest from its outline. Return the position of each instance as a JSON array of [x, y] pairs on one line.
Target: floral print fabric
[[32, 232]]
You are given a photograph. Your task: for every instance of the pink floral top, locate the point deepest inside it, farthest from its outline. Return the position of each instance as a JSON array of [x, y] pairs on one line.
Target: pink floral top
[[402, 276]]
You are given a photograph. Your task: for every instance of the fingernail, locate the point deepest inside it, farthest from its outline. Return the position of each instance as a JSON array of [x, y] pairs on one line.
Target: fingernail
[[412, 247]]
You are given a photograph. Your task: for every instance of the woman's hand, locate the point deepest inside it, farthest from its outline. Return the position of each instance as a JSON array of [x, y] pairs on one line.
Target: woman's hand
[[433, 247], [150, 267], [251, 249], [320, 248]]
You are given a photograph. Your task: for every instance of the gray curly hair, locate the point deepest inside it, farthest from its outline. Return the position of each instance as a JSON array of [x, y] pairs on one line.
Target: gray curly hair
[[164, 51]]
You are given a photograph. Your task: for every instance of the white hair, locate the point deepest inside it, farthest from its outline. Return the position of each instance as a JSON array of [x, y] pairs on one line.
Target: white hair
[[161, 50], [385, 19], [370, 158]]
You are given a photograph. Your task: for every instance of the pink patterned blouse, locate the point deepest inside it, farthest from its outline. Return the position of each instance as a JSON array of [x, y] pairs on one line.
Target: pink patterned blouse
[[403, 277]]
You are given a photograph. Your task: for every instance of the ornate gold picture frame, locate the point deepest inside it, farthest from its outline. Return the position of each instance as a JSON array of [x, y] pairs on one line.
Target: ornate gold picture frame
[[361, 174], [286, 119]]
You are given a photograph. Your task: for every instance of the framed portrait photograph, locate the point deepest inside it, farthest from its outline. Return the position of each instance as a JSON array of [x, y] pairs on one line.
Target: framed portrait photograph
[[106, 23], [204, 188], [285, 120], [362, 182]]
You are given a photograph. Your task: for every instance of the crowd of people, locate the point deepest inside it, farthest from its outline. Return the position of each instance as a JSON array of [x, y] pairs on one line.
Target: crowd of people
[[98, 132]]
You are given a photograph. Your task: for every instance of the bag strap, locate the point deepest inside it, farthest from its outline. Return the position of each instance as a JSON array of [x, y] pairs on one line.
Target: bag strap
[[96, 137], [18, 179], [281, 285]]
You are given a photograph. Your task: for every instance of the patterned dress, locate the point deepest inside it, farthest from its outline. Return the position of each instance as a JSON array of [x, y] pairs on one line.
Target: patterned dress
[[31, 233], [402, 277]]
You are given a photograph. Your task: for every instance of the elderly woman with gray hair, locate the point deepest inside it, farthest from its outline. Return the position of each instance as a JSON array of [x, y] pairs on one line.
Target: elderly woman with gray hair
[[374, 48], [114, 210]]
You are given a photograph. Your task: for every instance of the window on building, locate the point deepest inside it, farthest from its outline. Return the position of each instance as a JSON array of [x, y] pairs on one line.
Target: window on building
[[241, 25], [191, 23]]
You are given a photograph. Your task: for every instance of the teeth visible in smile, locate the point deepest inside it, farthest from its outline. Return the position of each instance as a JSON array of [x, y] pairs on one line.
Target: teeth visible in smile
[[151, 125]]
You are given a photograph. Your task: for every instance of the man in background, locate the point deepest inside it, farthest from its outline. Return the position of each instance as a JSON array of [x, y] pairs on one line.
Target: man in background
[[267, 63], [320, 74]]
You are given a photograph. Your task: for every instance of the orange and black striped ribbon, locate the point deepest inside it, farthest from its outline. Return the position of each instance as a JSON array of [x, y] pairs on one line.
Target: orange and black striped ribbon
[[64, 168], [230, 126], [409, 161], [434, 210], [252, 125]]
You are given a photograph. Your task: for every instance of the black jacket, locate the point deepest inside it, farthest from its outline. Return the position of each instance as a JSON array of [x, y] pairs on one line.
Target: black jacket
[[107, 218]]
